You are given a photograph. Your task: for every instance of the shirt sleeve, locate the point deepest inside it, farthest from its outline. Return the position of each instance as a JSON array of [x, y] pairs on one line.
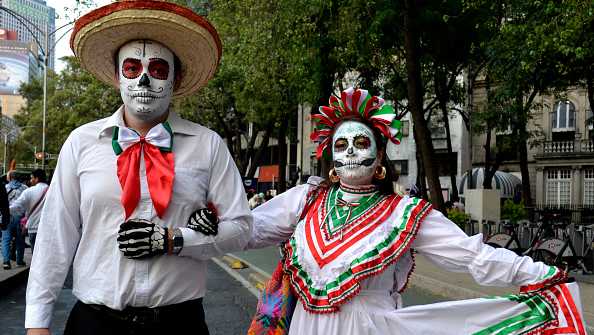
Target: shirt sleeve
[[226, 193], [20, 205], [447, 246], [58, 235], [276, 219], [4, 207]]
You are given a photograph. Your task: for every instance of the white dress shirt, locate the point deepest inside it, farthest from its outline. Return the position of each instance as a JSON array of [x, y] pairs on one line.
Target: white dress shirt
[[23, 205], [82, 214]]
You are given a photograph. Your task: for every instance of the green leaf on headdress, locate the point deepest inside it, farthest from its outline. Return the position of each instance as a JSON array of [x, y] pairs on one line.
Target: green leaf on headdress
[[385, 109], [363, 104], [397, 125]]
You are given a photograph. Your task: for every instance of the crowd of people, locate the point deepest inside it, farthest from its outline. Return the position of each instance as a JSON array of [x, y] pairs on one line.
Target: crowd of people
[[20, 206]]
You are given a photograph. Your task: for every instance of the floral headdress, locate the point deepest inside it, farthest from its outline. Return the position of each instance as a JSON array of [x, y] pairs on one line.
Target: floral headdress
[[359, 103]]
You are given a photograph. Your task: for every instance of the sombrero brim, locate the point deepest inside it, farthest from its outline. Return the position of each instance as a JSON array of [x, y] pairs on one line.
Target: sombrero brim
[[98, 35]]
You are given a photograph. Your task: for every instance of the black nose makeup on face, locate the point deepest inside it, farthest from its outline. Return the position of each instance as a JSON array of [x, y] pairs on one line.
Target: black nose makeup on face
[[350, 151], [144, 81]]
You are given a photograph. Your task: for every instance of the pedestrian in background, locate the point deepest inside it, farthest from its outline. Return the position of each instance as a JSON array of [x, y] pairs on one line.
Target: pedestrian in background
[[5, 217], [257, 200], [14, 188], [30, 203]]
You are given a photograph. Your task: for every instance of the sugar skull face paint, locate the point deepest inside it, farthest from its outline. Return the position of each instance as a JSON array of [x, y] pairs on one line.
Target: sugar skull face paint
[[146, 74], [354, 152]]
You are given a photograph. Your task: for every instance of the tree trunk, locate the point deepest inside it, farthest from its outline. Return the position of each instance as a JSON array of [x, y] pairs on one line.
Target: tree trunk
[[590, 91], [415, 101], [261, 150], [443, 97], [328, 69], [421, 181], [526, 192], [249, 152], [282, 155], [522, 123]]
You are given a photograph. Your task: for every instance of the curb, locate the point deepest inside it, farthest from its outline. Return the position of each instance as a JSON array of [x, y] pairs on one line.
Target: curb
[[13, 281]]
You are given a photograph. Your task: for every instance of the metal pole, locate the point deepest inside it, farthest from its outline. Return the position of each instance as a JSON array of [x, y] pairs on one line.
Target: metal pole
[[45, 62]]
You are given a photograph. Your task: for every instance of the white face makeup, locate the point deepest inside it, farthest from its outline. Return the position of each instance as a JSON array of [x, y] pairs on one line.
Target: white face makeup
[[146, 78], [354, 153]]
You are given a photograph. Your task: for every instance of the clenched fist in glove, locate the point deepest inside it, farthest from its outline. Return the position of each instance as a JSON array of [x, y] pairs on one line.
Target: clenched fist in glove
[[204, 220], [141, 239]]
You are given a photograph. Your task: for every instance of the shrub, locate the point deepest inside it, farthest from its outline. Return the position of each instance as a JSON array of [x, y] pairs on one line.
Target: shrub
[[458, 217], [513, 212]]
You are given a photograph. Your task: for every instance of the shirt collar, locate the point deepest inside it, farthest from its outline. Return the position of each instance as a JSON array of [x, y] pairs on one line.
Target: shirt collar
[[178, 125]]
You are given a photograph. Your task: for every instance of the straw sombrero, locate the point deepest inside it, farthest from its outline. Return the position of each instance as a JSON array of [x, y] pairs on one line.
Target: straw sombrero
[[98, 35]]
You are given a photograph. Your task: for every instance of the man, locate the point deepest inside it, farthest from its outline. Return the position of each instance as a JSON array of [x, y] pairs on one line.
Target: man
[[4, 220], [14, 188], [124, 186], [30, 203]]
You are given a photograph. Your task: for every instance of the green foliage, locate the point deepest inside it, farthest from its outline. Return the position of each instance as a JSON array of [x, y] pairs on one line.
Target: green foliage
[[458, 217], [75, 97], [513, 212]]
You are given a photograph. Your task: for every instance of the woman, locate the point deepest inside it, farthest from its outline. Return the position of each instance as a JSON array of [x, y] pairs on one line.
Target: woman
[[348, 250]]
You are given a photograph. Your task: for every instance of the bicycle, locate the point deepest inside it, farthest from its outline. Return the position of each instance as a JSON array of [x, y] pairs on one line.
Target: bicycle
[[552, 248], [506, 238]]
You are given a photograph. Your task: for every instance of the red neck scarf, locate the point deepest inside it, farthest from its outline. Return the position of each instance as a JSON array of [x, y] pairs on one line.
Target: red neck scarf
[[156, 147]]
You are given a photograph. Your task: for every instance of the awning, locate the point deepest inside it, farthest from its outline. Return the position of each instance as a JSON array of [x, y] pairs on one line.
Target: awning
[[504, 182], [268, 173]]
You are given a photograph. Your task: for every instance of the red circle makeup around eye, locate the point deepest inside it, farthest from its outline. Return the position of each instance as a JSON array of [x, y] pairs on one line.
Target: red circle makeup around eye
[[131, 68], [158, 68], [362, 142], [340, 144]]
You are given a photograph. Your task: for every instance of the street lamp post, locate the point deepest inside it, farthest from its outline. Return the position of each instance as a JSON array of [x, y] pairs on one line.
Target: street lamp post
[[45, 50]]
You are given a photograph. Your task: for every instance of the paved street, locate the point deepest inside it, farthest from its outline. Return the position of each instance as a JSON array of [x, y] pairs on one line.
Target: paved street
[[226, 299]]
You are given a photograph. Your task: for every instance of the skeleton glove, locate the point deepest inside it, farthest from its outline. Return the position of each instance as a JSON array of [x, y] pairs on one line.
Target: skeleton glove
[[139, 238], [205, 221]]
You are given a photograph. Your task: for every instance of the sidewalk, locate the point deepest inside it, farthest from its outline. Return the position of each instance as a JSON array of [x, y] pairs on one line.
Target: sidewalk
[[14, 276], [458, 286]]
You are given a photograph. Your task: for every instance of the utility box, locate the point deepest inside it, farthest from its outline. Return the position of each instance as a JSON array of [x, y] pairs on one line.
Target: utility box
[[483, 205]]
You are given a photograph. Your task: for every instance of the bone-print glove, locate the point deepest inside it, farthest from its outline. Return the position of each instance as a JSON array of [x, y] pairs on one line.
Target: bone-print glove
[[204, 220], [138, 238]]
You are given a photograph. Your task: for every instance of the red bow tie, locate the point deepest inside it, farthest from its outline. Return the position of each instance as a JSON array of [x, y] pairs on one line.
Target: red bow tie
[[159, 163]]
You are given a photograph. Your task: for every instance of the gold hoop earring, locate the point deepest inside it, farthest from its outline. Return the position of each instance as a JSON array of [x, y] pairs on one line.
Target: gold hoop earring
[[381, 174], [333, 176]]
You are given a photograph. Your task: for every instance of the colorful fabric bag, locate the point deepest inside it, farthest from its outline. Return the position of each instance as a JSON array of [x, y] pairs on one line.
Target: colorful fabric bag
[[275, 306], [277, 302]]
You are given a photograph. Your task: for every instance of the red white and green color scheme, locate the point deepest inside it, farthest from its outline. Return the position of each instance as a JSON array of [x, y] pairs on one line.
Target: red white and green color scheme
[[360, 105], [326, 266]]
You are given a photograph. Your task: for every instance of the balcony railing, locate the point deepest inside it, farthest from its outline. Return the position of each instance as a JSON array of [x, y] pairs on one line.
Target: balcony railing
[[568, 147]]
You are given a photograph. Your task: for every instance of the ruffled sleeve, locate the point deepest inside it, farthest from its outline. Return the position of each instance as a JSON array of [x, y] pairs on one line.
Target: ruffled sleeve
[[276, 219], [447, 246]]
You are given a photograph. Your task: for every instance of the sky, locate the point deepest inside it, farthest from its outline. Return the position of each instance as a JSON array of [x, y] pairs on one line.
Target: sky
[[63, 46]]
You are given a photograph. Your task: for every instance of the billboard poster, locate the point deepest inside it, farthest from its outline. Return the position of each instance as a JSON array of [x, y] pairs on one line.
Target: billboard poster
[[14, 70]]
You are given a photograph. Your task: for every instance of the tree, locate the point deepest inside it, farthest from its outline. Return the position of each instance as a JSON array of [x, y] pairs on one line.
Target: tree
[[75, 97]]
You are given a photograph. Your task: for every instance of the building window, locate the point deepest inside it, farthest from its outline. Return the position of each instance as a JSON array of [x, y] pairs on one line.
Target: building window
[[558, 186], [589, 187], [563, 116], [405, 128], [401, 167]]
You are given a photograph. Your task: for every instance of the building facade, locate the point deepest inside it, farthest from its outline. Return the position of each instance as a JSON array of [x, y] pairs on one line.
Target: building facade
[[39, 18], [560, 154]]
